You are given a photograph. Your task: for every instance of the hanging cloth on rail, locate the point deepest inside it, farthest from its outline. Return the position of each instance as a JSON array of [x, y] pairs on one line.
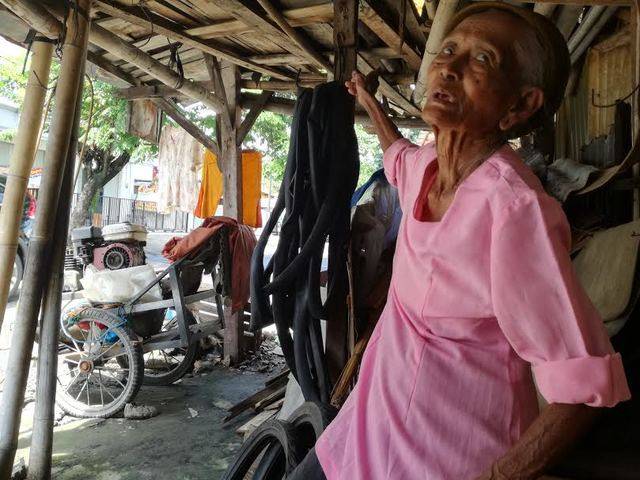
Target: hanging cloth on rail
[[210, 188], [179, 159]]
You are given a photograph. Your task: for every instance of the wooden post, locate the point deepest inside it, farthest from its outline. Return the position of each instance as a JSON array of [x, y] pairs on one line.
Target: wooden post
[[227, 79], [38, 264], [345, 38], [20, 164], [43, 417]]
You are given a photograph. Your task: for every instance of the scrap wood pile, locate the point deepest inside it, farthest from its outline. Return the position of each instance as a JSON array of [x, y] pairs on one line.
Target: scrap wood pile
[[269, 397]]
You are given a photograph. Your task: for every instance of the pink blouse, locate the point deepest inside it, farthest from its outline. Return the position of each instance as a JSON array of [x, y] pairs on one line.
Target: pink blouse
[[477, 301]]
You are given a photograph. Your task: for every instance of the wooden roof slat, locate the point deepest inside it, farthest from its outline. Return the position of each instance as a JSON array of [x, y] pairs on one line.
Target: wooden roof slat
[[297, 17], [296, 36], [164, 28], [259, 21], [388, 34]]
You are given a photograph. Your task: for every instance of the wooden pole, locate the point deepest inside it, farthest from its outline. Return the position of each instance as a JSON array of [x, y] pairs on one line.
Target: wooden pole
[[345, 38], [20, 164], [228, 77], [38, 264], [444, 13], [43, 417]]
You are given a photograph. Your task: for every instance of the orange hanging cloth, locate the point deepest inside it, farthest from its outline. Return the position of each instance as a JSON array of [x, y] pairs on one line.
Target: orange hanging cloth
[[251, 188], [211, 187]]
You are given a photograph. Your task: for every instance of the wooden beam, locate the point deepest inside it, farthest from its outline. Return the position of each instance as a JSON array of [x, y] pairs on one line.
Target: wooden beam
[[386, 89], [169, 107], [345, 38], [568, 18], [297, 17], [545, 9], [293, 59], [170, 30], [444, 13], [35, 15], [252, 116], [388, 34], [161, 72], [298, 37]]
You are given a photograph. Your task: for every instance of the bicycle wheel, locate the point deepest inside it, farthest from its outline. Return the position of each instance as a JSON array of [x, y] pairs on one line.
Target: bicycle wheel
[[91, 382], [165, 366]]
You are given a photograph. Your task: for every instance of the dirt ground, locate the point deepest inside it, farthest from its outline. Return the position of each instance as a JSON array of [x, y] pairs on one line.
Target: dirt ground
[[173, 445]]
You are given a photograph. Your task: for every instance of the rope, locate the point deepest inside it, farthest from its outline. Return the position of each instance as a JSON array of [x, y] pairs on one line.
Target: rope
[[174, 60], [629, 95]]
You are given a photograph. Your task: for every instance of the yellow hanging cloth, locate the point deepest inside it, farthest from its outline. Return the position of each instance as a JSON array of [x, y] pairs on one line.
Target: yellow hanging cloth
[[211, 189]]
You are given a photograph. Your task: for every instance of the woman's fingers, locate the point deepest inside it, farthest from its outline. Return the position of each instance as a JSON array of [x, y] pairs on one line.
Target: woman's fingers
[[351, 87]]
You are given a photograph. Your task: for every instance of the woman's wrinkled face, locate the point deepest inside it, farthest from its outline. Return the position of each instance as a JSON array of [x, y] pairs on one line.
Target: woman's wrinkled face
[[473, 81]]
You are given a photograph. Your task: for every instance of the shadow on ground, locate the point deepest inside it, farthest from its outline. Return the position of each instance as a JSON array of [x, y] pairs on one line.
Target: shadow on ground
[[173, 445]]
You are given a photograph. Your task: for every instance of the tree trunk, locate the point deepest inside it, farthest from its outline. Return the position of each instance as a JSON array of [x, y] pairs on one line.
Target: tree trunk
[[98, 167]]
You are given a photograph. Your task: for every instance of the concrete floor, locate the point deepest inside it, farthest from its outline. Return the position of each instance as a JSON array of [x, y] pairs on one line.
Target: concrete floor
[[174, 445]]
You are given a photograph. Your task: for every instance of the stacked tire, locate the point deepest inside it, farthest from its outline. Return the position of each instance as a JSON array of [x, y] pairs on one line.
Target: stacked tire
[[275, 448]]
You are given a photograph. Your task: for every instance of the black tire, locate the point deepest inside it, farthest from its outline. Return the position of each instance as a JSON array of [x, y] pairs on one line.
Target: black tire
[[16, 276], [271, 432], [73, 346], [184, 360], [272, 465], [309, 421]]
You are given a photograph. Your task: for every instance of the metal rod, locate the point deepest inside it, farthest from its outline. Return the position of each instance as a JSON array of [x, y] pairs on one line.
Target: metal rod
[[20, 165], [42, 434], [38, 264]]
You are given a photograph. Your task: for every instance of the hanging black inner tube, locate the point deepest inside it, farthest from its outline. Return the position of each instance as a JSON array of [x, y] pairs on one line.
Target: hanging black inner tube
[[314, 203]]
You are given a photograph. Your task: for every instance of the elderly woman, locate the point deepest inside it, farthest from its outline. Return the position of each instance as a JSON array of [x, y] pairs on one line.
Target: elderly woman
[[483, 290]]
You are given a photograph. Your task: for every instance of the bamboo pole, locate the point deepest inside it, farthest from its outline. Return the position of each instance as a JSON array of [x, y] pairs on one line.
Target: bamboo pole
[[38, 265], [590, 19], [444, 13], [20, 165], [42, 431]]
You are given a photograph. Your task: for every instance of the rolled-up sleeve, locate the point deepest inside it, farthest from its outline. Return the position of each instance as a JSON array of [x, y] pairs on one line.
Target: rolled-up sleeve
[[543, 310]]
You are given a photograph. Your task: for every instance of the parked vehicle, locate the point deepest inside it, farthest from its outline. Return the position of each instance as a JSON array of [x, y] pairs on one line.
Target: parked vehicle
[[28, 214]]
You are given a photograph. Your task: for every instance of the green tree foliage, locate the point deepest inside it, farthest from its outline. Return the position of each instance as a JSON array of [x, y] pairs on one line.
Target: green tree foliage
[[270, 135]]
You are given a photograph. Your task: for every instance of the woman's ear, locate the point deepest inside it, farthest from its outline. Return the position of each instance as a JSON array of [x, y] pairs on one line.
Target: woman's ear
[[528, 103]]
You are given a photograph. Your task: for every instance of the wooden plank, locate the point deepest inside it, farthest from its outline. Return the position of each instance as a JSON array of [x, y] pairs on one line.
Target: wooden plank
[[163, 27], [252, 116], [297, 17], [284, 106], [388, 34], [345, 38]]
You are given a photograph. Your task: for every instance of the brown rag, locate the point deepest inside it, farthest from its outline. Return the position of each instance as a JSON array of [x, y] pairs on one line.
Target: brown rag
[[242, 241]]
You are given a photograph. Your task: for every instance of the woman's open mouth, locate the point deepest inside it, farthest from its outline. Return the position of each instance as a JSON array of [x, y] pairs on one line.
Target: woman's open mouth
[[442, 96]]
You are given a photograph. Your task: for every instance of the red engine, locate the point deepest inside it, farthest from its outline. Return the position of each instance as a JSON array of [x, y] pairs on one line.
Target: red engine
[[112, 248]]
